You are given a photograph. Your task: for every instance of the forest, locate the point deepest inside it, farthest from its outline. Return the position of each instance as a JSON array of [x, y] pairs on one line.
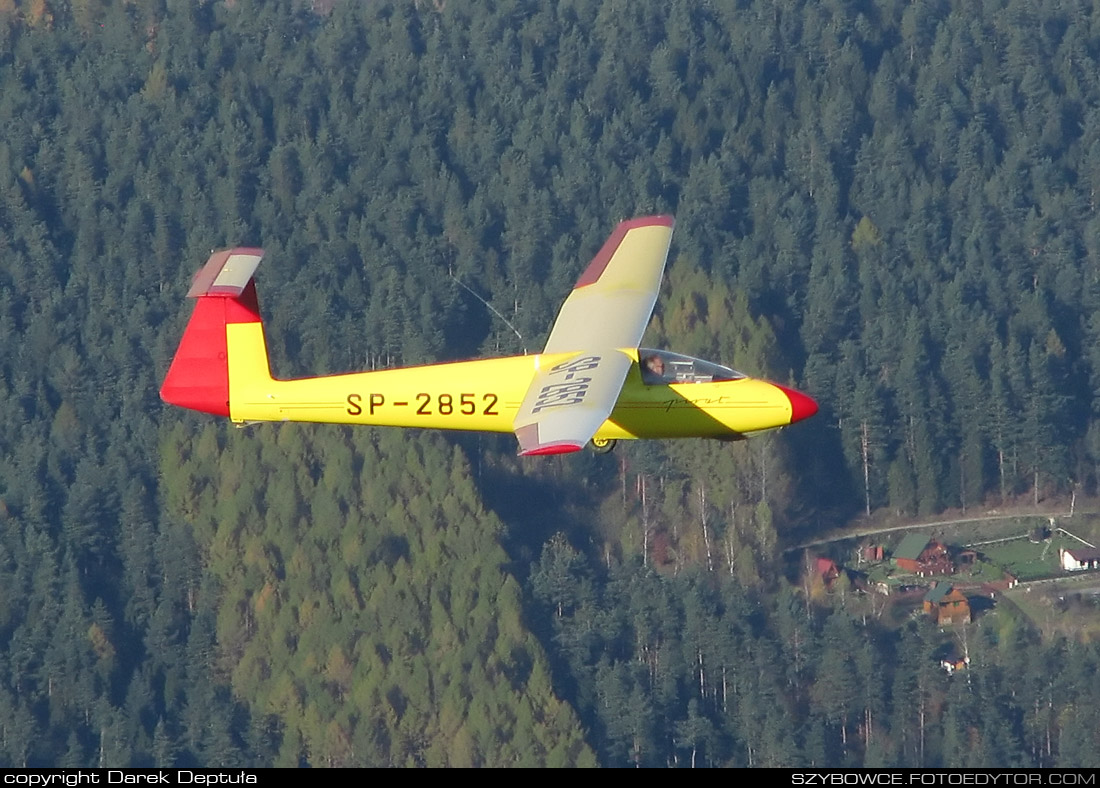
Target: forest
[[891, 205]]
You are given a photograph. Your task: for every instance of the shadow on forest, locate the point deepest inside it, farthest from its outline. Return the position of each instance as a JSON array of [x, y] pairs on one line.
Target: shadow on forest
[[536, 499], [823, 494]]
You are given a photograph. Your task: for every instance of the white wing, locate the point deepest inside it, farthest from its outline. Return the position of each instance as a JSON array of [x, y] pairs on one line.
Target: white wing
[[611, 303], [609, 309]]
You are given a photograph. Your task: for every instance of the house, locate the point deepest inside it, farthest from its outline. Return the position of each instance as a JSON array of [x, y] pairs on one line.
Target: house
[[908, 552], [827, 570], [947, 605], [871, 553], [1079, 558], [923, 556], [955, 663]]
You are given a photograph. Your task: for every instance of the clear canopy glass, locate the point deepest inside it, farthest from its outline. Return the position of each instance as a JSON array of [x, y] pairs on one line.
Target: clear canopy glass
[[661, 367]]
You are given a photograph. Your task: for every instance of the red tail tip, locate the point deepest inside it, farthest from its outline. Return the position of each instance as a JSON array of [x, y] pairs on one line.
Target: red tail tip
[[199, 376]]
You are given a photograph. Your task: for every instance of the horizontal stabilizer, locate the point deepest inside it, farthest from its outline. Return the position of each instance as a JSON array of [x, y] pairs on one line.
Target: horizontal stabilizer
[[226, 273]]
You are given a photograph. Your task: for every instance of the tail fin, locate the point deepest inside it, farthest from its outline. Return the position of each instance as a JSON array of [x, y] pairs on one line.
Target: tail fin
[[199, 375]]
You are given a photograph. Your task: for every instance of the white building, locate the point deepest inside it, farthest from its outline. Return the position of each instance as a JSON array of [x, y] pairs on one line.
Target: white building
[[1080, 558]]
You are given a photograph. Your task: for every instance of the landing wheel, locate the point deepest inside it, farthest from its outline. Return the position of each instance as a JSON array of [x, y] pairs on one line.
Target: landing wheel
[[602, 445]]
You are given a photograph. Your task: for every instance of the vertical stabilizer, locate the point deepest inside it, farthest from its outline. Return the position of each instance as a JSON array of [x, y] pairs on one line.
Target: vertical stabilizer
[[225, 293]]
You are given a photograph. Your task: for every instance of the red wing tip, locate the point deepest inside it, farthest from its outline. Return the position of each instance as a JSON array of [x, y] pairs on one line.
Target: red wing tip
[[563, 447], [661, 220], [802, 407], [596, 268]]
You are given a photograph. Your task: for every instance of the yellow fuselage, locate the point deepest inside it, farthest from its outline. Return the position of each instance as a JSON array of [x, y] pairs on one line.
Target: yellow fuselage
[[484, 395]]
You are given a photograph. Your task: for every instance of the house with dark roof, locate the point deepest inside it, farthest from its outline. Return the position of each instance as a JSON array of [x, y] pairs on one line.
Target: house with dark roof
[[947, 605]]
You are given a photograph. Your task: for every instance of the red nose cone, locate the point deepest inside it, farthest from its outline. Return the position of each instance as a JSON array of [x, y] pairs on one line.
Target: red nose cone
[[802, 407]]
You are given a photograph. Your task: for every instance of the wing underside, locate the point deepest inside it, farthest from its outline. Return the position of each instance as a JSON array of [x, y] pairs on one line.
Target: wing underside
[[568, 401], [608, 310]]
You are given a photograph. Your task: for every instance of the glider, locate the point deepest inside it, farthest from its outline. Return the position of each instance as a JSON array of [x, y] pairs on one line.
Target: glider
[[591, 384]]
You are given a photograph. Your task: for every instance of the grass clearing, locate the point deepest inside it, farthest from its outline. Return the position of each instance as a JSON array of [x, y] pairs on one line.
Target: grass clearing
[[1028, 560], [1068, 608]]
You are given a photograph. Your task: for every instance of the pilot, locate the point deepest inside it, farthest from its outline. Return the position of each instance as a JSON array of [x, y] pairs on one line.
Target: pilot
[[654, 368]]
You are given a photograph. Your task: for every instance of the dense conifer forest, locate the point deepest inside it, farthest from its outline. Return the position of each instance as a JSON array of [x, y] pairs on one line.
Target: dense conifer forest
[[892, 205]]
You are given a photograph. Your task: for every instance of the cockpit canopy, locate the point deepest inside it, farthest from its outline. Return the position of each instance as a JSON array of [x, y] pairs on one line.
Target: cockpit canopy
[[660, 367]]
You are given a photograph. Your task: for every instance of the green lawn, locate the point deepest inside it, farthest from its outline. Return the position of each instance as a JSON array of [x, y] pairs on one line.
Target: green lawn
[[1029, 561]]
